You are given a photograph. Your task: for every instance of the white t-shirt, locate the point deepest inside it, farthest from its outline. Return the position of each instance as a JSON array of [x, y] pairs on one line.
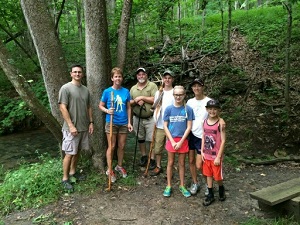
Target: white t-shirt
[[201, 114], [168, 99]]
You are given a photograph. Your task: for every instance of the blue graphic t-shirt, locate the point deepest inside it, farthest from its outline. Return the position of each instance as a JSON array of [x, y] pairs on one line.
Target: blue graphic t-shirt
[[121, 97], [177, 118]]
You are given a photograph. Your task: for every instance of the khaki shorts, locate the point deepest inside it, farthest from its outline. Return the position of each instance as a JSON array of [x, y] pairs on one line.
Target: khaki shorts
[[145, 128], [116, 129], [72, 144], [160, 141]]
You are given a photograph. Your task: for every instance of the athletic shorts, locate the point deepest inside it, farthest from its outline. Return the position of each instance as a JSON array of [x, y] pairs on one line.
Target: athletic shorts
[[160, 141], [195, 143], [145, 127], [184, 147], [72, 144], [210, 170], [116, 129]]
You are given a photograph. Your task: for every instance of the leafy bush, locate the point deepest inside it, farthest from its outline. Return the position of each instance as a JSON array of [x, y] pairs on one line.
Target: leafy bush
[[31, 186]]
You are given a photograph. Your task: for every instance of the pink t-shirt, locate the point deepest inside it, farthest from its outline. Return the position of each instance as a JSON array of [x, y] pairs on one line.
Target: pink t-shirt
[[212, 140]]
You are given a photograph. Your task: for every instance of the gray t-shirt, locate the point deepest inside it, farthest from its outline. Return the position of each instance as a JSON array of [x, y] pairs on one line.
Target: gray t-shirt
[[77, 99]]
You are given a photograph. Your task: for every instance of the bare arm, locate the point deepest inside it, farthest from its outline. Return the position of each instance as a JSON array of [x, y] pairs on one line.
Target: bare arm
[[102, 107], [65, 114], [217, 160], [140, 100], [91, 125], [168, 134], [130, 128]]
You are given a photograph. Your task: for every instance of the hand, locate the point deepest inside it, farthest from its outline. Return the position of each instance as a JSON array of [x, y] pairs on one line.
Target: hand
[[110, 111], [217, 161], [130, 128], [73, 130], [91, 128]]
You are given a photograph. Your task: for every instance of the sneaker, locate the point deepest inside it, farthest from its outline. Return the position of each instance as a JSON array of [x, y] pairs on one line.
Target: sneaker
[[112, 176], [185, 192], [73, 178], [152, 165], [194, 188], [206, 191], [121, 170], [67, 186], [144, 161], [167, 191], [156, 171], [208, 200]]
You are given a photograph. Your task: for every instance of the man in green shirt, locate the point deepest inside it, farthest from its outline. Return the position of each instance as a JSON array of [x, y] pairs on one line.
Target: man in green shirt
[[142, 95]]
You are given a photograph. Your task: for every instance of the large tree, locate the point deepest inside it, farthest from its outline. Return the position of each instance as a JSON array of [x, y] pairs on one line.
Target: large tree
[[98, 64], [123, 33], [48, 48], [23, 89]]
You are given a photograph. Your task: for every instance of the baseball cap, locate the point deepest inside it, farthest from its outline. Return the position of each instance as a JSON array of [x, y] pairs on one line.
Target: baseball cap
[[168, 72], [198, 81], [213, 103], [140, 69]]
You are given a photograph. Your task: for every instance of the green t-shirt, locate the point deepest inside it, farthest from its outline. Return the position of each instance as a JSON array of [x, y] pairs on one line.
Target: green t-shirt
[[77, 99], [149, 91]]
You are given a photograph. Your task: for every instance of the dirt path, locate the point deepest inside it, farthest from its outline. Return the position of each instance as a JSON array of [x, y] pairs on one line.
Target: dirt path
[[145, 203]]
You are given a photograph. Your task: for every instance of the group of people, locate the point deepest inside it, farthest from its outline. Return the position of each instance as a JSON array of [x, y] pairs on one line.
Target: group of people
[[155, 115]]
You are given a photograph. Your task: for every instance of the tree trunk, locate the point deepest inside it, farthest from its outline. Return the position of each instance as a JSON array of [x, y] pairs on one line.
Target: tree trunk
[[288, 7], [27, 94], [79, 20], [229, 32], [98, 63], [49, 50], [123, 33]]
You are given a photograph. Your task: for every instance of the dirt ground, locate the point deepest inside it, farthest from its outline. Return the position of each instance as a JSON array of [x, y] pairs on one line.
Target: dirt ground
[[145, 204]]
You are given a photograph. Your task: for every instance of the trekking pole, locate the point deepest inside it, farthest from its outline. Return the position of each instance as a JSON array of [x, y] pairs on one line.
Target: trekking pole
[[137, 137], [110, 140], [150, 151]]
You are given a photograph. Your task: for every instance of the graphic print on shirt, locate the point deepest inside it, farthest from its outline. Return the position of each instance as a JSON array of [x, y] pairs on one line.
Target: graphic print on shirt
[[209, 141], [119, 102], [180, 118]]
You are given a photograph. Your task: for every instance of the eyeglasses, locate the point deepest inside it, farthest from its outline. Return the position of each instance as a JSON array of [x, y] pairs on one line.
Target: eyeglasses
[[178, 95]]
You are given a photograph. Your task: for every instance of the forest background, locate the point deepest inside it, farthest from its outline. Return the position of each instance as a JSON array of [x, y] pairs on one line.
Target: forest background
[[247, 52]]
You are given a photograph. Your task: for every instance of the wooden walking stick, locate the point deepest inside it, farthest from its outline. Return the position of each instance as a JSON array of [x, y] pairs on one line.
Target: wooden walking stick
[[110, 140], [150, 151]]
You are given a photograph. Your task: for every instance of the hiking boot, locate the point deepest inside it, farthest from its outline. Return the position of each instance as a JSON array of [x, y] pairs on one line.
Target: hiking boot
[[156, 171], [222, 195], [66, 185], [144, 160], [208, 200], [152, 165], [167, 191], [185, 192], [121, 170], [194, 188], [112, 176], [73, 178]]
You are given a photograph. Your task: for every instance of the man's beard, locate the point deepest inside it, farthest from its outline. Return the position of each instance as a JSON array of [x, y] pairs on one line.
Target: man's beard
[[141, 80]]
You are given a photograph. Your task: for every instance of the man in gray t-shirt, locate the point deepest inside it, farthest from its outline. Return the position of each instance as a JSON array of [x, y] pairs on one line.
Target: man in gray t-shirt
[[74, 104]]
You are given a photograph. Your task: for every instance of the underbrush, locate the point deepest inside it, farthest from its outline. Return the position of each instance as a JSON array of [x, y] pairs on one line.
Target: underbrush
[[277, 221]]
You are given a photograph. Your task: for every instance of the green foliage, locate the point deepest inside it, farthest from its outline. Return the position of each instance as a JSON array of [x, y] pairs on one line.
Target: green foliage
[[31, 186], [277, 221]]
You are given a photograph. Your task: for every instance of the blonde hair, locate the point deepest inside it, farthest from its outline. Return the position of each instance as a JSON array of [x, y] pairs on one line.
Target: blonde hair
[[179, 87], [116, 70]]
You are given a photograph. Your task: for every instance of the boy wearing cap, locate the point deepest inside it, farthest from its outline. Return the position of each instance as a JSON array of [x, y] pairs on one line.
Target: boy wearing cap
[[197, 103], [212, 149], [163, 98], [142, 95]]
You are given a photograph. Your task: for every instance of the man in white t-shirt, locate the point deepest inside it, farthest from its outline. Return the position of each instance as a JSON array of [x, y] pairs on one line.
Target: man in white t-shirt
[[198, 104], [165, 95]]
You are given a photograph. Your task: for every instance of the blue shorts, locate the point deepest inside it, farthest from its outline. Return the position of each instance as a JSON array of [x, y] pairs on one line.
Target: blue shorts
[[195, 143]]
